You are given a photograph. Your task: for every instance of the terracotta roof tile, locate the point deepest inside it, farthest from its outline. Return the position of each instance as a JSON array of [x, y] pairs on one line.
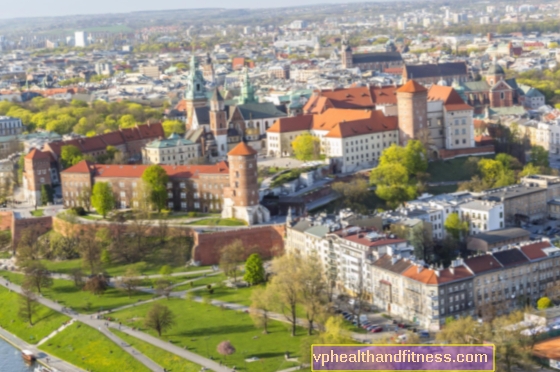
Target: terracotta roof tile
[[480, 264], [376, 123], [291, 124], [242, 149], [37, 154], [534, 251], [412, 86]]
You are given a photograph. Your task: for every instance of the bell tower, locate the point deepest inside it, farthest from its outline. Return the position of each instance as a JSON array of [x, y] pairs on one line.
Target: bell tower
[[218, 121], [195, 93]]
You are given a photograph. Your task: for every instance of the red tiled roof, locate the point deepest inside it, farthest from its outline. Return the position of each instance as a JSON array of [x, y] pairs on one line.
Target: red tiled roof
[[534, 251], [386, 95], [112, 138], [485, 262], [377, 122], [411, 86], [291, 124], [430, 276], [37, 154], [237, 62], [451, 99], [242, 149], [136, 171]]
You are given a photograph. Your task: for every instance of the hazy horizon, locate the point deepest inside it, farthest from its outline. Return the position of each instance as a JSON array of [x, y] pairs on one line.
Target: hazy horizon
[[57, 8]]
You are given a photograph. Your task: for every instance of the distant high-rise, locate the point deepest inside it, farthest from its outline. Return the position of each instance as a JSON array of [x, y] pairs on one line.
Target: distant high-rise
[[80, 39]]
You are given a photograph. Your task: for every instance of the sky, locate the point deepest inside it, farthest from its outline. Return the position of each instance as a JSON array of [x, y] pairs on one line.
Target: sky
[[47, 8]]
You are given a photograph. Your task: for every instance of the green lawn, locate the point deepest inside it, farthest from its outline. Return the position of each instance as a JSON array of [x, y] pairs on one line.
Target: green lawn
[[68, 295], [218, 222], [200, 282], [222, 293], [167, 360], [450, 170], [37, 213], [67, 266], [45, 321], [89, 349], [202, 327]]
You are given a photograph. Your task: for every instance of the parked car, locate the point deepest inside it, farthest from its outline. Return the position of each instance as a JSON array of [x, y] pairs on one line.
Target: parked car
[[424, 334], [547, 228], [377, 329]]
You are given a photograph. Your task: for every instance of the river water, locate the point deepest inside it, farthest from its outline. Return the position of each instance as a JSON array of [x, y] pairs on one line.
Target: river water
[[11, 360]]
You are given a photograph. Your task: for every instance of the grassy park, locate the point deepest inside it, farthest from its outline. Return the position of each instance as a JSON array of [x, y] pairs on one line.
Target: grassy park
[[37, 213], [88, 349], [67, 266], [167, 360], [68, 295], [212, 279], [201, 327], [218, 222], [45, 320]]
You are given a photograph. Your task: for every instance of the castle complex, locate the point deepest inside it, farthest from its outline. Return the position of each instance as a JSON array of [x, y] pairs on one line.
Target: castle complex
[[230, 189]]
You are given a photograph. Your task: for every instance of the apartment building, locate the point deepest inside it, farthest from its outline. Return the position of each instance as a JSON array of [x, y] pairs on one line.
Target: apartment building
[[522, 203], [10, 126], [482, 215]]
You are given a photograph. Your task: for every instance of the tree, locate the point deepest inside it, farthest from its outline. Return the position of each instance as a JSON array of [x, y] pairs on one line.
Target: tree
[[159, 318], [36, 276], [70, 155], [84, 197], [165, 270], [544, 303], [261, 306], [90, 250], [30, 246], [392, 184], [46, 194], [231, 256], [530, 169], [102, 198], [539, 156], [163, 287], [127, 121], [28, 306], [254, 270], [312, 289], [510, 349], [78, 277], [225, 348], [454, 226], [285, 287], [416, 160], [422, 241], [96, 285], [306, 147], [353, 194], [129, 281], [173, 126], [156, 179]]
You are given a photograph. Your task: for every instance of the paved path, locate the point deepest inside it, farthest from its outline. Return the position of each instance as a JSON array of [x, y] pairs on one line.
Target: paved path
[[54, 362], [102, 326]]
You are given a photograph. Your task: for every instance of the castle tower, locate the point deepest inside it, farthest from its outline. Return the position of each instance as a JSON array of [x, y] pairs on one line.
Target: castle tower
[[208, 69], [218, 121], [412, 108], [195, 93], [247, 90], [36, 173], [346, 55], [494, 74], [241, 198]]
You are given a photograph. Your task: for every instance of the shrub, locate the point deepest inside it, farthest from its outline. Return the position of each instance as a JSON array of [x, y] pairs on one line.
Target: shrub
[[79, 211], [191, 214]]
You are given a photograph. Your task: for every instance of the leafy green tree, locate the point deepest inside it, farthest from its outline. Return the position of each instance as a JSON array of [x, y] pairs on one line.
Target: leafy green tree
[[530, 169], [70, 155], [127, 121], [159, 318], [392, 183], [173, 126], [165, 270], [539, 156], [254, 270], [454, 226], [544, 303], [102, 198], [36, 276], [155, 178], [46, 194], [306, 147], [416, 160]]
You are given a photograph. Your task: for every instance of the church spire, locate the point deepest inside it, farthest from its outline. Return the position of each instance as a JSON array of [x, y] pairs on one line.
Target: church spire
[[196, 86], [247, 89]]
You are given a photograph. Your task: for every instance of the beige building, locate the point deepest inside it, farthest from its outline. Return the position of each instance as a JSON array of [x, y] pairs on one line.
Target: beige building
[[174, 150], [283, 132], [522, 203]]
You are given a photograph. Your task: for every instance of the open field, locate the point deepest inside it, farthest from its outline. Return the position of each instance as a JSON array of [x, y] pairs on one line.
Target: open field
[[89, 349], [45, 320], [201, 327], [68, 295]]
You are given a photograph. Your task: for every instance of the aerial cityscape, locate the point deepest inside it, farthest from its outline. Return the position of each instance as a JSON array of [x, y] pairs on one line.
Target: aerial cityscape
[[221, 186]]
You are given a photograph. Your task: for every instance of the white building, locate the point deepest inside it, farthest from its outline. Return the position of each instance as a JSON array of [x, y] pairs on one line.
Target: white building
[[80, 39], [482, 215]]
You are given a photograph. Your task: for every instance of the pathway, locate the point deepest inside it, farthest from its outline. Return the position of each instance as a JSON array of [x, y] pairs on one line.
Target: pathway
[[102, 326], [56, 331]]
